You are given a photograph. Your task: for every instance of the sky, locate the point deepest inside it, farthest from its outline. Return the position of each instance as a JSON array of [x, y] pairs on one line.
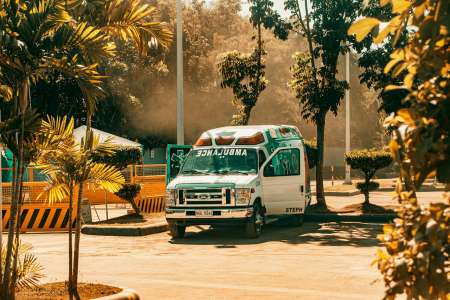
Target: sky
[[278, 4]]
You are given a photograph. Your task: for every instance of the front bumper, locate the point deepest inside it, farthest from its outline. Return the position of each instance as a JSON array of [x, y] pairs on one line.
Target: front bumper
[[187, 216]]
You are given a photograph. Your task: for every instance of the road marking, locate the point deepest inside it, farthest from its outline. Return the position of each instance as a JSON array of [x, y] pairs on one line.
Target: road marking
[[297, 291]]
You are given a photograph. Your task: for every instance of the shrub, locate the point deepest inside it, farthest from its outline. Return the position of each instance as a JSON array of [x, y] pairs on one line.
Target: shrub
[[122, 157], [128, 192], [369, 162]]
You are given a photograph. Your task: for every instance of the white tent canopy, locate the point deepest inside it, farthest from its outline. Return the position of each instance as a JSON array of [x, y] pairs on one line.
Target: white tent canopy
[[80, 133]]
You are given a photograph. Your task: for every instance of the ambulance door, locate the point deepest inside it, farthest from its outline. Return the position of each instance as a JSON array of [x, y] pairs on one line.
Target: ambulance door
[[283, 182]]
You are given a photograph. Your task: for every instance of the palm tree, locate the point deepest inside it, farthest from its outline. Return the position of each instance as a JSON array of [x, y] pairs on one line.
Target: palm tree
[[71, 165], [39, 38]]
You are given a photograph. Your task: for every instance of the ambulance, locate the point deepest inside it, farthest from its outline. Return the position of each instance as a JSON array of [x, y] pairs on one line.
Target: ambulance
[[240, 175]]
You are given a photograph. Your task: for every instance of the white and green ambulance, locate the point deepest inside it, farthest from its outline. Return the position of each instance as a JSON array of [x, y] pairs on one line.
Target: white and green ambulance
[[248, 175]]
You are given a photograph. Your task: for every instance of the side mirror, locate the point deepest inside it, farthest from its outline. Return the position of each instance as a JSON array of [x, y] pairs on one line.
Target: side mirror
[[269, 170]]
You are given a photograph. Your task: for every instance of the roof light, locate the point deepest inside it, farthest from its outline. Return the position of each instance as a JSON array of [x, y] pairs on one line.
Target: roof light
[[220, 140], [255, 139], [203, 142]]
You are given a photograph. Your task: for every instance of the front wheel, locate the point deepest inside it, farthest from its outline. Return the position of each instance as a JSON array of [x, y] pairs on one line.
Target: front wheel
[[177, 231], [253, 227]]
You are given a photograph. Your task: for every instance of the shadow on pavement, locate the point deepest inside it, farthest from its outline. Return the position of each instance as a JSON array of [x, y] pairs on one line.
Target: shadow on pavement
[[356, 234]]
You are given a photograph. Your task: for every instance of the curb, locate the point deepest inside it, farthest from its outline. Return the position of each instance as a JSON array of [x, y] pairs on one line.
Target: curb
[[127, 294], [381, 218], [124, 230]]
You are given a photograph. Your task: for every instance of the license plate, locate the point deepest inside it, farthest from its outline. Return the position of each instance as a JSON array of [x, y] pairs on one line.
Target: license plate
[[203, 212]]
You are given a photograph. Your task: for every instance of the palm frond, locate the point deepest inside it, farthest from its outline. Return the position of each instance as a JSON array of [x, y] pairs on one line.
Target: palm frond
[[57, 188], [88, 78], [134, 21], [105, 177], [6, 92], [28, 270]]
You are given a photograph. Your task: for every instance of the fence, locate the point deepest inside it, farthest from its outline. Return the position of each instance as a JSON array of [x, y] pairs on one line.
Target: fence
[[39, 215]]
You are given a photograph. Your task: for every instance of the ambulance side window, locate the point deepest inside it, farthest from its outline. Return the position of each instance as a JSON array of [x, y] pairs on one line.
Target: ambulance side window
[[284, 163]]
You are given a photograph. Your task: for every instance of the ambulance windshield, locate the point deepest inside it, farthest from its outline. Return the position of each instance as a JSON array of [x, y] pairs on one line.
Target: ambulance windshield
[[221, 161]]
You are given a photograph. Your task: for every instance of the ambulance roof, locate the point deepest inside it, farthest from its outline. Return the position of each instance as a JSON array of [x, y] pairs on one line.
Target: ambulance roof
[[270, 136], [245, 131]]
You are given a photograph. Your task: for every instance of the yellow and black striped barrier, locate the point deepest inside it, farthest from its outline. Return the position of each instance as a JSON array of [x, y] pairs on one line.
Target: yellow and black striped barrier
[[39, 217], [153, 204]]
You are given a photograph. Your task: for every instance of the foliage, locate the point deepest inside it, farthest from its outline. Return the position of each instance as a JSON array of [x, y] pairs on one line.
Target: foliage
[[28, 271], [69, 164], [369, 162], [416, 257], [316, 85], [244, 73], [262, 13], [129, 192], [367, 187], [415, 261], [121, 158], [373, 59]]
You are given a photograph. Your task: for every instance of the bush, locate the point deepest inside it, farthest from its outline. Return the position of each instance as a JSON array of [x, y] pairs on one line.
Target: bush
[[128, 192], [364, 187], [123, 157], [369, 162]]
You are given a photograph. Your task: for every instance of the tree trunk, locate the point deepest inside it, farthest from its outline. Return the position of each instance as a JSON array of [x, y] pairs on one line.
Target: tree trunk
[[17, 235], [76, 253], [135, 207], [11, 229], [367, 178], [70, 287], [320, 195]]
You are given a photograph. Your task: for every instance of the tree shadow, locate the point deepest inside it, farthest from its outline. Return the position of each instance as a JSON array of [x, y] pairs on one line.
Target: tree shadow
[[355, 234]]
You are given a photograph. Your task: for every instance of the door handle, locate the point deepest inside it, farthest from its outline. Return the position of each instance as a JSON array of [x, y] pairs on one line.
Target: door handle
[[301, 188]]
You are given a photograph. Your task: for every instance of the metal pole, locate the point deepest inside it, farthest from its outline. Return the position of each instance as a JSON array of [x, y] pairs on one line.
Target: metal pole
[[180, 92], [348, 179]]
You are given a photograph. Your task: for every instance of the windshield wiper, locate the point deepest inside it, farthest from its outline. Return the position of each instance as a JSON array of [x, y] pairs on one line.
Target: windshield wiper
[[194, 172], [224, 172]]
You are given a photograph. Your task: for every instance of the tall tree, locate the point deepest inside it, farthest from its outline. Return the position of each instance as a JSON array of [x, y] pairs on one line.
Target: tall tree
[[244, 73], [315, 79], [43, 38]]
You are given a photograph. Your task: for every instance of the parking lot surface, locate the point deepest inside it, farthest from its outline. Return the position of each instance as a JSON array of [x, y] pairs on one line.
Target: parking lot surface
[[315, 261]]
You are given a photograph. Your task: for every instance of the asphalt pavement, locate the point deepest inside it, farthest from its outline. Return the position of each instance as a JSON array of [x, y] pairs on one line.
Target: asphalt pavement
[[315, 261]]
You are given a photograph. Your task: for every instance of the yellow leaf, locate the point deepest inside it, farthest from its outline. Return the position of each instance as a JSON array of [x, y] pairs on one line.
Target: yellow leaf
[[391, 27], [391, 64], [409, 80], [399, 6], [384, 2], [388, 228], [406, 116], [363, 27]]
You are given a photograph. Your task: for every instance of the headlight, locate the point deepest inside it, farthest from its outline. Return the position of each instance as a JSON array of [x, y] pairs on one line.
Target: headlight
[[243, 196], [171, 197]]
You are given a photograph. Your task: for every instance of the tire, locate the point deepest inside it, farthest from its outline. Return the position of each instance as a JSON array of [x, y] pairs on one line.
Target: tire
[[296, 220], [253, 227], [177, 231]]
